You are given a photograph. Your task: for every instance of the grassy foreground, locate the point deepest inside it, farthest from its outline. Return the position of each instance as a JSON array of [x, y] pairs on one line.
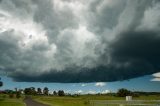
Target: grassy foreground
[[63, 101], [5, 101], [83, 100]]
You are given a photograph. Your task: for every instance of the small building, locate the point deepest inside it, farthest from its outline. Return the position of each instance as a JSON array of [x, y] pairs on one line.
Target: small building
[[128, 98]]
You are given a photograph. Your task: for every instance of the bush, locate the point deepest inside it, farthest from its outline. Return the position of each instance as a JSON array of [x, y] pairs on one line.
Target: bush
[[11, 95]]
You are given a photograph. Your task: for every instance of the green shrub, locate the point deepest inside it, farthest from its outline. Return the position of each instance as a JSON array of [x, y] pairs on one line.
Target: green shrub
[[18, 94], [11, 95]]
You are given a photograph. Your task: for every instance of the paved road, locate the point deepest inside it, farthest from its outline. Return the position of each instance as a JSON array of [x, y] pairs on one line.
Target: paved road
[[31, 102]]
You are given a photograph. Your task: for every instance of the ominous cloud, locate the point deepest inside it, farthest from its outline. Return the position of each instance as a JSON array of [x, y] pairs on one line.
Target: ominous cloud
[[79, 40]]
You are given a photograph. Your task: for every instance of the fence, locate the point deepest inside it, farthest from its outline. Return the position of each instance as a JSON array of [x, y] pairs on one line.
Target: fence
[[125, 103]]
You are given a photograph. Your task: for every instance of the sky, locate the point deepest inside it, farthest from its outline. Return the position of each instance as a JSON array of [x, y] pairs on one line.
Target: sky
[[79, 41]]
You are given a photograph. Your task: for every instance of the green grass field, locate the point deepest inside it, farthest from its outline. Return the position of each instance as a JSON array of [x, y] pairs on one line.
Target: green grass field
[[5, 101], [84, 100], [63, 101]]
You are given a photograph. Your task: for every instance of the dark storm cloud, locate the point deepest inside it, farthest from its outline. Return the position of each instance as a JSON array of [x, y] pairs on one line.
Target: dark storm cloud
[[138, 51], [100, 74], [134, 54], [79, 40], [135, 45]]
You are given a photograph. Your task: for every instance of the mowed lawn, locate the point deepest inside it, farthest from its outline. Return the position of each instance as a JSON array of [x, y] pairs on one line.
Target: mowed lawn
[[83, 100], [11, 102]]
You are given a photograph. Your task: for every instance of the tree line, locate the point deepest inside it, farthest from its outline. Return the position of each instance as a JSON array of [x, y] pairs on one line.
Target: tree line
[[44, 91]]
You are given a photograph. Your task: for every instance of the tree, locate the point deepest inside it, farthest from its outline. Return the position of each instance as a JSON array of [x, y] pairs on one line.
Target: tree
[[45, 91], [39, 91], [61, 93], [27, 91], [123, 92], [18, 94], [33, 91], [30, 91], [54, 93]]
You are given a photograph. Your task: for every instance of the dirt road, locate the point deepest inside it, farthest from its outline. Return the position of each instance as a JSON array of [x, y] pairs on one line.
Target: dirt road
[[30, 102]]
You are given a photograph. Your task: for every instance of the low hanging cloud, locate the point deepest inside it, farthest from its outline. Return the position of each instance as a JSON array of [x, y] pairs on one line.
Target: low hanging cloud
[[92, 92], [79, 40], [100, 84], [156, 77], [105, 92]]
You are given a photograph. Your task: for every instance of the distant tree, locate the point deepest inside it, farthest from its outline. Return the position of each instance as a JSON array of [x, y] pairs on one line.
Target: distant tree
[[39, 91], [8, 91], [33, 90], [18, 94], [27, 91], [123, 92], [45, 91], [61, 93], [30, 91], [54, 93]]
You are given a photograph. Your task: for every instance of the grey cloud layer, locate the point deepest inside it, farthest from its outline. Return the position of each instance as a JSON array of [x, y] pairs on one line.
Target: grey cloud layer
[[79, 40]]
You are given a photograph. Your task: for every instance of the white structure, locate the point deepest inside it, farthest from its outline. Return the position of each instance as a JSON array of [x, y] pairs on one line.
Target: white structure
[[128, 98]]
